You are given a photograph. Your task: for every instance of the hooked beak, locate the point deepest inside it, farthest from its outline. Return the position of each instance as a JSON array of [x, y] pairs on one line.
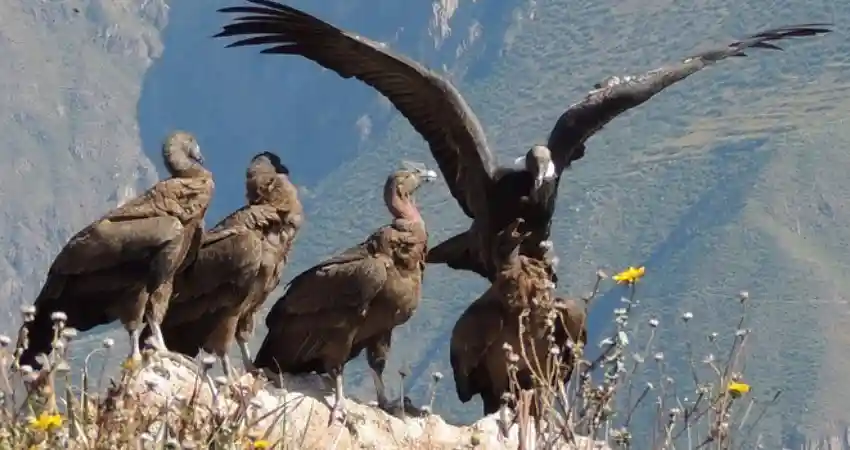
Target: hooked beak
[[427, 175], [199, 157], [538, 181]]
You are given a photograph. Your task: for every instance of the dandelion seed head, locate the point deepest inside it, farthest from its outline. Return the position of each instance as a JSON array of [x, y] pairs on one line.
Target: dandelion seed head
[[208, 361], [69, 333]]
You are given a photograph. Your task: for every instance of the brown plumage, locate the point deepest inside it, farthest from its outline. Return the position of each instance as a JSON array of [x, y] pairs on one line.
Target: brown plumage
[[523, 288], [240, 262], [353, 301], [122, 266]]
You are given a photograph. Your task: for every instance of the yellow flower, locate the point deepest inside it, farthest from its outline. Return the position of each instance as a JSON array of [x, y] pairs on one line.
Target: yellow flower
[[46, 422], [737, 389], [130, 364], [262, 444], [630, 275]]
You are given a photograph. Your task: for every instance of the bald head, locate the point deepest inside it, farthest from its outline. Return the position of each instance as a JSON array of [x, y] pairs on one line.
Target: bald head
[[267, 161], [538, 162]]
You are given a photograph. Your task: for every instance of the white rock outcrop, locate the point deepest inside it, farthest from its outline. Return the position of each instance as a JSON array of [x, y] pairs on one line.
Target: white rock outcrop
[[300, 412]]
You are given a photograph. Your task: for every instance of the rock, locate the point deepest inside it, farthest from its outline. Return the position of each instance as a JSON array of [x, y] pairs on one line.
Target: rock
[[300, 412]]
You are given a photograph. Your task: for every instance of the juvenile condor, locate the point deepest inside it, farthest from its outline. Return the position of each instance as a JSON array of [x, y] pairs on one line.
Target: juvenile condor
[[239, 264], [333, 311], [489, 194], [122, 266], [479, 337]]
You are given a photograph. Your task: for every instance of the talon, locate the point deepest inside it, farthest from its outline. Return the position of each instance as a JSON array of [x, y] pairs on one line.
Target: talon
[[337, 413]]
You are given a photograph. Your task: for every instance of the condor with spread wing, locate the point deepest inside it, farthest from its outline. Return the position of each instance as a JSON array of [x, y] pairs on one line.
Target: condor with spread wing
[[490, 194]]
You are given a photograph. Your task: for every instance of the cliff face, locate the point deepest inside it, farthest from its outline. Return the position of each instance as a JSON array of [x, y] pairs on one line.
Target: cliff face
[[71, 76], [733, 180]]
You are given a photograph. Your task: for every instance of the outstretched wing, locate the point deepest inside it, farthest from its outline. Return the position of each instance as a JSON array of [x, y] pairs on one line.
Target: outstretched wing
[[616, 95], [429, 102]]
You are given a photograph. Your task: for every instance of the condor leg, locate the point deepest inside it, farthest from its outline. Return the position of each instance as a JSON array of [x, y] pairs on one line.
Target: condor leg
[[376, 356], [244, 330], [338, 410], [160, 286]]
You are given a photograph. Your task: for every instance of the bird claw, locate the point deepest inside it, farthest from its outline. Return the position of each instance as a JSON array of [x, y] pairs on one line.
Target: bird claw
[[394, 408], [337, 413], [504, 429]]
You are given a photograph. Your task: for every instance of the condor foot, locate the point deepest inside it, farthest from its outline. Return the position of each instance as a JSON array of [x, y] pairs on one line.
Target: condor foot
[[402, 408]]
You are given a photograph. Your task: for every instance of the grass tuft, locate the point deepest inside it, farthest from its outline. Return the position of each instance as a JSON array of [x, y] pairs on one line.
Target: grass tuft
[[607, 402]]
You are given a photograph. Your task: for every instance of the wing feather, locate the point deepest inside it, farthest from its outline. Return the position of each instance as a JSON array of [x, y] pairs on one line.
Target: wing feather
[[229, 263], [431, 104], [334, 289], [619, 94], [473, 334]]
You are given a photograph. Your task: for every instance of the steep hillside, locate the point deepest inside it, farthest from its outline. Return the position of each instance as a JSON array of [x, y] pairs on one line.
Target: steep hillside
[[731, 180], [722, 183], [71, 73]]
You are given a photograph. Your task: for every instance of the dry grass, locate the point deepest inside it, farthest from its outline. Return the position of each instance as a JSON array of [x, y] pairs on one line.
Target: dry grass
[[712, 408], [706, 410]]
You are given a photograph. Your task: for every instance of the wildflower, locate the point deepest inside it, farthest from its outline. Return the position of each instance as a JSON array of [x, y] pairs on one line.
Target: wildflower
[[46, 422], [630, 275], [129, 364], [262, 444], [687, 316], [108, 343], [736, 388], [207, 362]]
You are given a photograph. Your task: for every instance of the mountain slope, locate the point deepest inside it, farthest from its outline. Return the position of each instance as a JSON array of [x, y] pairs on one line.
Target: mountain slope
[[695, 185], [731, 180], [71, 73]]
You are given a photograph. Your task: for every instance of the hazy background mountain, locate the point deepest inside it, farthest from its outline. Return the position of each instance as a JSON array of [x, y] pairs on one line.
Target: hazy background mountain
[[734, 179]]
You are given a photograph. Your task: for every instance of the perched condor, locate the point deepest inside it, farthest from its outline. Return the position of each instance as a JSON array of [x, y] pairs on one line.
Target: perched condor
[[123, 265], [482, 334], [240, 262], [352, 301]]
